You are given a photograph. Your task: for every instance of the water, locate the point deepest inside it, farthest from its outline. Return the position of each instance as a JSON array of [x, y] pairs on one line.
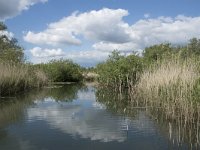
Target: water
[[75, 117]]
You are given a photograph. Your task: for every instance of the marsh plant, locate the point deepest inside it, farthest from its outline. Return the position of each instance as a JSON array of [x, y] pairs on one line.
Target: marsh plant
[[19, 77], [173, 86]]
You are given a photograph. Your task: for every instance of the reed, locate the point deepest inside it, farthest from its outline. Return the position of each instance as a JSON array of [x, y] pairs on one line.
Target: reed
[[19, 77], [171, 85]]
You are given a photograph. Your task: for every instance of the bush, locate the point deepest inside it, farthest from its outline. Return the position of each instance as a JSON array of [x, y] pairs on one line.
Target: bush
[[62, 71], [120, 71]]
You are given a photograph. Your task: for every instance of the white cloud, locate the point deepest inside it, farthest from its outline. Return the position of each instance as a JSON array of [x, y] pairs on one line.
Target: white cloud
[[93, 123], [109, 31], [109, 47], [103, 25], [11, 8], [87, 57], [106, 30], [146, 32], [84, 57], [87, 54], [39, 52], [50, 37]]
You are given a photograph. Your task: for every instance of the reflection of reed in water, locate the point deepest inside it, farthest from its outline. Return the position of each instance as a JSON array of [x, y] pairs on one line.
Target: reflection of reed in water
[[179, 131], [115, 101], [179, 125], [171, 88]]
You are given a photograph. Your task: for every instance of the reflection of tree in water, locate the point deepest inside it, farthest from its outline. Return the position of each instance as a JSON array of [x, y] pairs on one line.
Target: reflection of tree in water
[[12, 109], [64, 93]]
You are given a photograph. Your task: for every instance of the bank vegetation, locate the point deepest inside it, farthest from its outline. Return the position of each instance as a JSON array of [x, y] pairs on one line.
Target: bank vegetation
[[18, 75]]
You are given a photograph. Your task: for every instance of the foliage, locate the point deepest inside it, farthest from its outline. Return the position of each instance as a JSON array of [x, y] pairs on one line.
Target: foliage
[[61, 71], [165, 51], [15, 75], [125, 71], [119, 71], [10, 51], [158, 52]]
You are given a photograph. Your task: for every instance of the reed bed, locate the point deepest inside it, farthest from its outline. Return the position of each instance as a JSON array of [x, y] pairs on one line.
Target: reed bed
[[19, 77], [173, 87]]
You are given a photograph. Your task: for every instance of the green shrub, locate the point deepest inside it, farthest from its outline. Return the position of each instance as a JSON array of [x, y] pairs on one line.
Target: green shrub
[[120, 71], [62, 71]]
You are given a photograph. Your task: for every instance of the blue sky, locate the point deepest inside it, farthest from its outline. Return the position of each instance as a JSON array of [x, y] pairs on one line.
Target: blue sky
[[86, 31]]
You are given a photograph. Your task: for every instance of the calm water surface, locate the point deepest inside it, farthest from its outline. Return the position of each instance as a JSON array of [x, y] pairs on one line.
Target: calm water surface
[[75, 117]]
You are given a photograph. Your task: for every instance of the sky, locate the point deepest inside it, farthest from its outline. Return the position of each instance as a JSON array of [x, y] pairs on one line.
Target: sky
[[87, 31]]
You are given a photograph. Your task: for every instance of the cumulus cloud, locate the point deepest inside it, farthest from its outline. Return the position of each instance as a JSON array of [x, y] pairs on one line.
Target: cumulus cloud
[[88, 54], [87, 57], [49, 37], [107, 30], [83, 57], [109, 47], [147, 32], [103, 25], [165, 29], [39, 52], [11, 8]]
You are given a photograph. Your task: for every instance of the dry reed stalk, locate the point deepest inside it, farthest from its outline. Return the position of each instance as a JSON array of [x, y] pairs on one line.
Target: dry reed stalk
[[170, 85], [14, 78]]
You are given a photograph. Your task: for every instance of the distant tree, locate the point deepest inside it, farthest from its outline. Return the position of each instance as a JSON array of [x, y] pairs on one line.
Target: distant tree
[[158, 52], [115, 56], [194, 46]]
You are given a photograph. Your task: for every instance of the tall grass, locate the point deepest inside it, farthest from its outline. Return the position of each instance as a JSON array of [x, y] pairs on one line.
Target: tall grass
[[19, 77], [172, 87]]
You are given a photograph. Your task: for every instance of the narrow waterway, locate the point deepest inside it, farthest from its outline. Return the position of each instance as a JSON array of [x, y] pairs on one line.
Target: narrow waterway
[[74, 117]]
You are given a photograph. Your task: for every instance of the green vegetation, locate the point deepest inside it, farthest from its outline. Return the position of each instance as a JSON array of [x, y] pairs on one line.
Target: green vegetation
[[17, 75], [10, 51], [120, 71], [62, 71], [126, 71], [12, 108], [166, 78]]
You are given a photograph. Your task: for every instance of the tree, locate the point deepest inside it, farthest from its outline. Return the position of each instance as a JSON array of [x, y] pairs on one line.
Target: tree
[[194, 46], [10, 51], [158, 52]]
